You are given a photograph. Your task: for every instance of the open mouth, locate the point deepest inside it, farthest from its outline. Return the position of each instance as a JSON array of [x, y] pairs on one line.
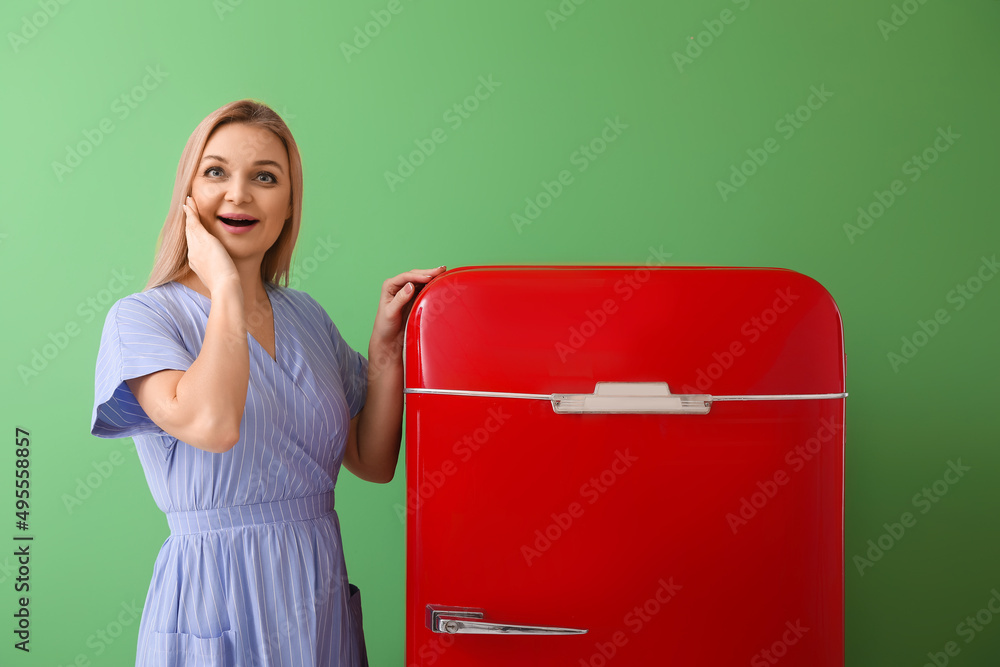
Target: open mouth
[[234, 222]]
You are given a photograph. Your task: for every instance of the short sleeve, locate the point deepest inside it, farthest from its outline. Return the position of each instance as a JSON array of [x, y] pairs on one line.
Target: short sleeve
[[138, 339], [353, 369]]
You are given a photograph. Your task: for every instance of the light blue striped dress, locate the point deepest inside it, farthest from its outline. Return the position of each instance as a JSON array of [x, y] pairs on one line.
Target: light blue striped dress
[[253, 570]]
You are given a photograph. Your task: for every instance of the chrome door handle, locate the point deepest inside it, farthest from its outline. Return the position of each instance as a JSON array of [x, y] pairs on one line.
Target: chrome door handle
[[632, 398], [456, 621]]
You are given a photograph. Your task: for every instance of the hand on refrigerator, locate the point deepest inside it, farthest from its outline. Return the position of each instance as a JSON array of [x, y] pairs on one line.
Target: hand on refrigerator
[[394, 307]]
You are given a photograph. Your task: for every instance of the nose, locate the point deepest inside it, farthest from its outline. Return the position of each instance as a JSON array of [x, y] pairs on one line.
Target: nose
[[237, 191]]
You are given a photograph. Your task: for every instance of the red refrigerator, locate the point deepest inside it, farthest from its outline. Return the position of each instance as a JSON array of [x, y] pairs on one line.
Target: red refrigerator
[[624, 465]]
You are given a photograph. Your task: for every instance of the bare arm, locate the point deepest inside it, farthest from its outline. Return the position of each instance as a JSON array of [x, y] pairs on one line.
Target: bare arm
[[203, 406], [379, 425], [375, 433]]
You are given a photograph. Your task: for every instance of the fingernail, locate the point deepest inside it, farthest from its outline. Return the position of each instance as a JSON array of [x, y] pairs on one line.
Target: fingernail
[[409, 287]]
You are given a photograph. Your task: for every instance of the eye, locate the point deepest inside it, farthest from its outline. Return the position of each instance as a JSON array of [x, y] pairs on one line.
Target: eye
[[212, 169], [269, 175]]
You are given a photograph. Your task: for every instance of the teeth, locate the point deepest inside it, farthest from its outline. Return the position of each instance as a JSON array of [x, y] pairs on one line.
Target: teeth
[[237, 223]]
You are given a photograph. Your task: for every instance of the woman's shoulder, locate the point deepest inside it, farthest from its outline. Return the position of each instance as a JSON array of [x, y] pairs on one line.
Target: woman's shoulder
[[302, 303], [295, 296], [165, 300], [161, 294]]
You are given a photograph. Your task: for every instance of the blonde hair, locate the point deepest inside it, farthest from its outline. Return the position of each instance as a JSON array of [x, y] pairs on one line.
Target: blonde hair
[[171, 246]]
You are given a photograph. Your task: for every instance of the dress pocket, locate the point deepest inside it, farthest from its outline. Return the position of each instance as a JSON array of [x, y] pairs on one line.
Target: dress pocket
[[357, 627], [182, 649]]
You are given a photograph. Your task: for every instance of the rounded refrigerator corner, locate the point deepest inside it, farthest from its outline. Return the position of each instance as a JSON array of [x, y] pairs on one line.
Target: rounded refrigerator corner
[[412, 317], [840, 322], [825, 291]]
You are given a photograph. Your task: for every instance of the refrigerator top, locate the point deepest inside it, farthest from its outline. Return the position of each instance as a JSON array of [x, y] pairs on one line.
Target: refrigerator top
[[542, 330]]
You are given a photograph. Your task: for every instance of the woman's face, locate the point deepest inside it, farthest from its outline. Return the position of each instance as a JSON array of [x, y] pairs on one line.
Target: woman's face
[[243, 173]]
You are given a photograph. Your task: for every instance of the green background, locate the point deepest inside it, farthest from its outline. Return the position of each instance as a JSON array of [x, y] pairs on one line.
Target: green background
[[63, 235]]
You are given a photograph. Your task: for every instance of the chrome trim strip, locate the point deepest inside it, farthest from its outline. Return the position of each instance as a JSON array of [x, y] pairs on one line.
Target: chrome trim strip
[[548, 397]]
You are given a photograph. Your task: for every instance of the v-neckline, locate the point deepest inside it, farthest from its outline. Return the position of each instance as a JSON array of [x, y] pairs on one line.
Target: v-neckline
[[274, 328], [274, 320]]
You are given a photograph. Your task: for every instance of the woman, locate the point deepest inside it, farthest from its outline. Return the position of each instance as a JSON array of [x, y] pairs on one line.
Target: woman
[[244, 400]]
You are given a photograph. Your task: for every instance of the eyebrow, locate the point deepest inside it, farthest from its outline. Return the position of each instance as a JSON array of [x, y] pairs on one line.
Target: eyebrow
[[258, 162]]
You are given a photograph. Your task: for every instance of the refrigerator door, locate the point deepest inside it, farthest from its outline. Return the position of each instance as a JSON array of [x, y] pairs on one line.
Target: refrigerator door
[[624, 465]]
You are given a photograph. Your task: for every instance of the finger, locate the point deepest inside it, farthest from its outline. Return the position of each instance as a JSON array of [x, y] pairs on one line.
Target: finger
[[436, 269], [399, 300], [433, 271], [193, 230], [422, 276], [192, 221], [191, 206], [188, 224]]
